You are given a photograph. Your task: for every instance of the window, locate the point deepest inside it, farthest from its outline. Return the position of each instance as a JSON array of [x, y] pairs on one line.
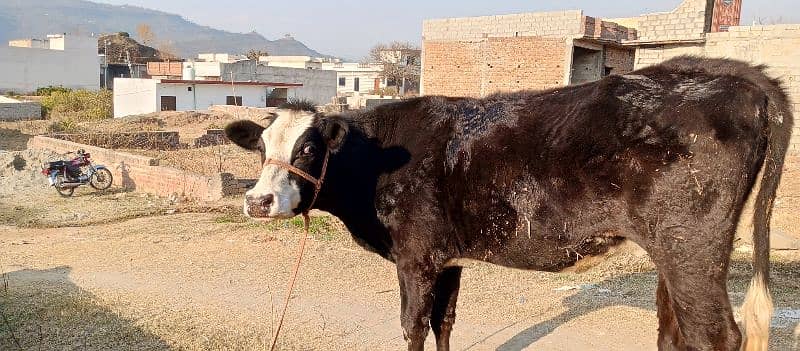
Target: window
[[342, 81], [168, 103], [233, 100], [355, 84], [727, 2]]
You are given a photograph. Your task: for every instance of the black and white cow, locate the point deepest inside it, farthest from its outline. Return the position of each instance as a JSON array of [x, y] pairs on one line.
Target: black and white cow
[[665, 156]]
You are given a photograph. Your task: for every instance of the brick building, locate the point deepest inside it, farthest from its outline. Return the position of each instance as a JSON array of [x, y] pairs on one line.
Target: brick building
[[477, 56]]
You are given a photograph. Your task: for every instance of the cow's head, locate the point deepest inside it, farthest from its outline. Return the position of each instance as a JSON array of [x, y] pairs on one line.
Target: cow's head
[[299, 138]]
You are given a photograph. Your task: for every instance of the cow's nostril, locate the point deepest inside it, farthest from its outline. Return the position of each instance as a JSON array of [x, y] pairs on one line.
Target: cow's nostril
[[266, 202]]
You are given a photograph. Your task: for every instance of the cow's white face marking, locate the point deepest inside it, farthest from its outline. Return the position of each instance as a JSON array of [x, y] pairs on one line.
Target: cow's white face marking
[[279, 140]]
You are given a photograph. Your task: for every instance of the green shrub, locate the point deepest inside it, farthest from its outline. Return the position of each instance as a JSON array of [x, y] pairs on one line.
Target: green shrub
[[386, 91], [49, 90], [65, 125], [79, 105]]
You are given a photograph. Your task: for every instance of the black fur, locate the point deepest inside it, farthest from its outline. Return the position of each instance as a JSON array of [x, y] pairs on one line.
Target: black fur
[[665, 156]]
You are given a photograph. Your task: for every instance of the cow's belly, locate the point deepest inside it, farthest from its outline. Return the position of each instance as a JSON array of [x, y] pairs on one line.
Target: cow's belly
[[522, 233]]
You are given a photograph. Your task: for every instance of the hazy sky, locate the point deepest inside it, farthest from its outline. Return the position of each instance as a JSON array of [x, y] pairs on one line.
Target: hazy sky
[[349, 28]]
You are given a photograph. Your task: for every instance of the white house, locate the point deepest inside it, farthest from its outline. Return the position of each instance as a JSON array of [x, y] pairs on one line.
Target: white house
[[59, 60], [317, 86], [134, 96], [352, 78], [356, 78]]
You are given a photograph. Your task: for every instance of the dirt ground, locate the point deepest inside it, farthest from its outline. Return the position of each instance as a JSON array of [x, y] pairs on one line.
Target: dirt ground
[[118, 270]]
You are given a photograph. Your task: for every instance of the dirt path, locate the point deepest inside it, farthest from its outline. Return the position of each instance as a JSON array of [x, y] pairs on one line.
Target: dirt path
[[205, 281]]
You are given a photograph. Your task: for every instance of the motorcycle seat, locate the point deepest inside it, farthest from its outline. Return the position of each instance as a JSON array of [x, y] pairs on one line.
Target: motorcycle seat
[[57, 164]]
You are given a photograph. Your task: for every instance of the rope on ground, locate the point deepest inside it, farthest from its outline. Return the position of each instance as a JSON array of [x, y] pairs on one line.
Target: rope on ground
[[300, 250]]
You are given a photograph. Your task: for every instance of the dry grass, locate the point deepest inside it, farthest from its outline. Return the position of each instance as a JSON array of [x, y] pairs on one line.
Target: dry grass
[[58, 315], [209, 160]]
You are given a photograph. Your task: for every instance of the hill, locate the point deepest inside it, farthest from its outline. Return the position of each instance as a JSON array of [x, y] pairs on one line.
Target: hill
[[37, 18]]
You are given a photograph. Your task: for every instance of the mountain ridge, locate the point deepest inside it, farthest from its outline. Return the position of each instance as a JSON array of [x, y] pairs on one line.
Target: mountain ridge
[[37, 18]]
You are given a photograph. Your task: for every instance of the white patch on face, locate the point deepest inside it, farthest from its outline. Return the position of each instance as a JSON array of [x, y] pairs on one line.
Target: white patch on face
[[279, 140]]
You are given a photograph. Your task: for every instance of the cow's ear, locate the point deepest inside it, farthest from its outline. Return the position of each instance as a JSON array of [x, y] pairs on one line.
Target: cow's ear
[[244, 133], [334, 132]]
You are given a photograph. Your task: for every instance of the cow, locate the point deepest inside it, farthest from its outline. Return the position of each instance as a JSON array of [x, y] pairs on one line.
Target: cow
[[665, 156]]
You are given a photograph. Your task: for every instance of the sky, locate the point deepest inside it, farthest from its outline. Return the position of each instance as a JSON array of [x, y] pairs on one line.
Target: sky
[[347, 28]]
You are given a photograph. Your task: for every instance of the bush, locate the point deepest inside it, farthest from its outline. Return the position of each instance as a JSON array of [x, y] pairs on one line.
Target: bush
[[386, 91], [49, 90], [79, 105]]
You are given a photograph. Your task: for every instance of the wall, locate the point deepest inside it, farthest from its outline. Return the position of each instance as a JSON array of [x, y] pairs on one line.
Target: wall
[[17, 111], [688, 21], [25, 69], [204, 96], [143, 174], [587, 65], [134, 96], [319, 86], [620, 60], [541, 24], [481, 67], [477, 56]]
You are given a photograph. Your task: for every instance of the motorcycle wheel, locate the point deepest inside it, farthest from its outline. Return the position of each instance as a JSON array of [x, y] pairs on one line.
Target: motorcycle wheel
[[101, 180], [63, 191]]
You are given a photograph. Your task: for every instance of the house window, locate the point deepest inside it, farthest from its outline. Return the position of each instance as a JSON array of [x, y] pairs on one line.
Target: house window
[[342, 81], [233, 100], [727, 2], [168, 103], [355, 84]]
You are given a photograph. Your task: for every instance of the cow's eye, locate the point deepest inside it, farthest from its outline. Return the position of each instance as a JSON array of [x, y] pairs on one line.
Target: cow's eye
[[308, 150]]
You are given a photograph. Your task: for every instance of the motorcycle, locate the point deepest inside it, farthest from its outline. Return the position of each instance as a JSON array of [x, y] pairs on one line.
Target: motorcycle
[[65, 175]]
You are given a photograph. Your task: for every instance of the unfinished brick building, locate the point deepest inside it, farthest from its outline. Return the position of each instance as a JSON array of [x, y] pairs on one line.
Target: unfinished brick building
[[478, 56]]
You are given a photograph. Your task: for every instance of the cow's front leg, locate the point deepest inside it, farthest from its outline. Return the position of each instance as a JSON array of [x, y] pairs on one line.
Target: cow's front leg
[[444, 306], [417, 280]]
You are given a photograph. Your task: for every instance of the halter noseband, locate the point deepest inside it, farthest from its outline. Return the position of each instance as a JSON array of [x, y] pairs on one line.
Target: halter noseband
[[316, 181]]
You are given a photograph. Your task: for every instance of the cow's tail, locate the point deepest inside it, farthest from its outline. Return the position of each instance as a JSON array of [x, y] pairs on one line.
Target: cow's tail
[[757, 307]]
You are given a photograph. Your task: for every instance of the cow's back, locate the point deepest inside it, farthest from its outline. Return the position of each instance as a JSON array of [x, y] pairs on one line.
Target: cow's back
[[567, 172]]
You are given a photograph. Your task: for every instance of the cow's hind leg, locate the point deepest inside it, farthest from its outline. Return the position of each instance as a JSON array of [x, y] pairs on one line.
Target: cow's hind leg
[[443, 316], [693, 270]]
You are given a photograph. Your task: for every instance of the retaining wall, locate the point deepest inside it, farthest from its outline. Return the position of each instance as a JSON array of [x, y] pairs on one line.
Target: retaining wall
[[143, 174], [20, 111], [159, 140]]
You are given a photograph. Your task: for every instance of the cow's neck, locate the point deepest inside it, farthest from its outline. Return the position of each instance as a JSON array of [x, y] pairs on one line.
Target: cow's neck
[[349, 191]]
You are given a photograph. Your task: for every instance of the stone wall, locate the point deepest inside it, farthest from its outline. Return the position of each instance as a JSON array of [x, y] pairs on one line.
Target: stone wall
[[140, 173], [158, 140], [18, 111]]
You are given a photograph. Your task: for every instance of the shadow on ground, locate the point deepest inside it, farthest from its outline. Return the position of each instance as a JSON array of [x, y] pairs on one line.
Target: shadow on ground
[[44, 310], [13, 140], [638, 290]]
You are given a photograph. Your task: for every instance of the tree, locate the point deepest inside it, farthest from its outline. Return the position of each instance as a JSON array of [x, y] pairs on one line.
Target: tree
[[167, 50], [401, 64], [254, 54], [146, 34]]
